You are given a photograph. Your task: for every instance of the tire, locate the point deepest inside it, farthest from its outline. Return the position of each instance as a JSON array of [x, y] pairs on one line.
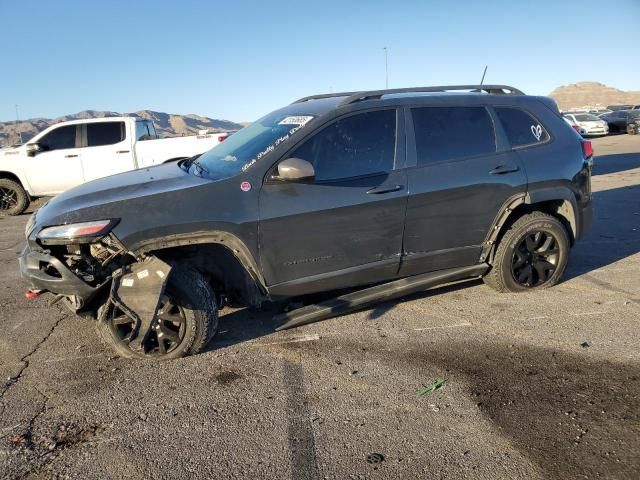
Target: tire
[[631, 130], [191, 299], [524, 255], [13, 198]]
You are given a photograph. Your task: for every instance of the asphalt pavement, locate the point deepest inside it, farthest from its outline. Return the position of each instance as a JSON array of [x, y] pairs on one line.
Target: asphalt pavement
[[537, 385]]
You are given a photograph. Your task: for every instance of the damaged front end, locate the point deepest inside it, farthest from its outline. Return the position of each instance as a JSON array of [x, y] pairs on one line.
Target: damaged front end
[[74, 261]]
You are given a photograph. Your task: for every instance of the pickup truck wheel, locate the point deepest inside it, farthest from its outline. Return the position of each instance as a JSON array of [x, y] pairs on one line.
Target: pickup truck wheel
[[532, 255], [13, 199], [187, 320]]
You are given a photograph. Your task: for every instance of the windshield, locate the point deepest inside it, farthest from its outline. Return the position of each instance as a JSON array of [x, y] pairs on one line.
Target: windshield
[[587, 117], [244, 148]]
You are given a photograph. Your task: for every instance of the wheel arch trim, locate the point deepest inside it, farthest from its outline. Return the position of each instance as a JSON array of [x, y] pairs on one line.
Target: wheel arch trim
[[227, 240]]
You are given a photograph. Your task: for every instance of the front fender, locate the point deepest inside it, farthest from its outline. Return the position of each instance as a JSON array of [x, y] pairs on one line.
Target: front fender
[[226, 239]]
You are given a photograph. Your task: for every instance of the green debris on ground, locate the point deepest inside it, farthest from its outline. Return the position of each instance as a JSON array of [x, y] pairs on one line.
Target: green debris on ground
[[434, 386]]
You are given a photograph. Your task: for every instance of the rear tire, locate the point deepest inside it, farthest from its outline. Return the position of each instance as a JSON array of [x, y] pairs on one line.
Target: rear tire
[[532, 255], [188, 327], [631, 130], [13, 198]]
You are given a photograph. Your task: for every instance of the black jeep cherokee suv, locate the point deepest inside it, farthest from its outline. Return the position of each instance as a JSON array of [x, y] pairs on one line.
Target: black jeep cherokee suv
[[415, 186]]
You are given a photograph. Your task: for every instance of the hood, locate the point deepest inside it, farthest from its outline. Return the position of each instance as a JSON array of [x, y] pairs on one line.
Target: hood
[[93, 199]]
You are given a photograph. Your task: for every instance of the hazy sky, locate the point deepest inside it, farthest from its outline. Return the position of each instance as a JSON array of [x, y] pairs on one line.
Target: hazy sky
[[239, 60]]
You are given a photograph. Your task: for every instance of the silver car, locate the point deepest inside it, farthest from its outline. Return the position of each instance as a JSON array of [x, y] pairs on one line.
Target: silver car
[[587, 124]]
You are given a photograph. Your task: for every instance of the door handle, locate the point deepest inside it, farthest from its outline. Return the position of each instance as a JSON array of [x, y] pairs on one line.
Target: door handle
[[70, 156], [502, 169], [384, 189], [123, 151]]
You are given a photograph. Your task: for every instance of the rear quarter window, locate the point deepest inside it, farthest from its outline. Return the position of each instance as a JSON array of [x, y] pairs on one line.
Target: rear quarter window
[[521, 127]]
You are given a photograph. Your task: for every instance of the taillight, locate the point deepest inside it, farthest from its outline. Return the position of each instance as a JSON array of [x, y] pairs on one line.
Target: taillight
[[587, 149], [222, 138]]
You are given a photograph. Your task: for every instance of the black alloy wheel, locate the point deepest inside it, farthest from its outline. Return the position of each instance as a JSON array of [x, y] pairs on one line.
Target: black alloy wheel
[[167, 331], [535, 259], [8, 198]]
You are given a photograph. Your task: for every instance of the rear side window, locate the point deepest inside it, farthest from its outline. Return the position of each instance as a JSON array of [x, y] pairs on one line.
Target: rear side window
[[447, 133], [60, 138], [522, 128], [145, 131], [104, 133], [358, 145]]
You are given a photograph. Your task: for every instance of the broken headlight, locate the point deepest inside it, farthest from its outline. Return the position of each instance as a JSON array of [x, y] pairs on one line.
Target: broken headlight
[[84, 232]]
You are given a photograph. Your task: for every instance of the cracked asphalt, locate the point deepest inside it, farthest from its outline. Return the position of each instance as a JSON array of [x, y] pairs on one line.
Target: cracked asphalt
[[538, 385]]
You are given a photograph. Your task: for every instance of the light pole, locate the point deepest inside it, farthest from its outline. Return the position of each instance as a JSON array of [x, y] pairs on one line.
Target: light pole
[[386, 68]]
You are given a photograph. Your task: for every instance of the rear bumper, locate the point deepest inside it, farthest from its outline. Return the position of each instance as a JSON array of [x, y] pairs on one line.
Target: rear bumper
[[57, 278]]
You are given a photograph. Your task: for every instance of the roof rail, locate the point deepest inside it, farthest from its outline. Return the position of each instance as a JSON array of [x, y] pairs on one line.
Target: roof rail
[[377, 94], [353, 97], [324, 95]]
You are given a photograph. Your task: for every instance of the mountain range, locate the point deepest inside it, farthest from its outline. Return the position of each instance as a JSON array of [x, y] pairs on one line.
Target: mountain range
[[167, 124], [576, 95], [592, 94]]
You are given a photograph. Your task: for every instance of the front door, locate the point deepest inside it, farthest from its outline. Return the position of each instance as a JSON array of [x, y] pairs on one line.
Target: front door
[[58, 166], [459, 182], [344, 227]]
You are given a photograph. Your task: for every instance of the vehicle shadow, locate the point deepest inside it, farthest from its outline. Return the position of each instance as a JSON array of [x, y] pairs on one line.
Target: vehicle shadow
[[242, 325], [614, 234], [620, 162], [569, 412]]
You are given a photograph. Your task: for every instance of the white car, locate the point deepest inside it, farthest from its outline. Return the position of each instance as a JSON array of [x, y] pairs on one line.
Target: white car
[[587, 124], [70, 153]]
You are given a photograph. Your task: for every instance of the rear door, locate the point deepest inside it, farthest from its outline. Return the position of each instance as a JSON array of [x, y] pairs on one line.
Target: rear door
[[57, 167], [344, 228], [461, 175], [107, 149]]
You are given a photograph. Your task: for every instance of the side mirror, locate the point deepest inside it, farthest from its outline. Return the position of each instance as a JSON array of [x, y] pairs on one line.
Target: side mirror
[[293, 169], [32, 149]]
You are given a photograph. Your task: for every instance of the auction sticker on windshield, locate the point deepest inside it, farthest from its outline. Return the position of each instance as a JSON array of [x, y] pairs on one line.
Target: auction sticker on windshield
[[295, 120]]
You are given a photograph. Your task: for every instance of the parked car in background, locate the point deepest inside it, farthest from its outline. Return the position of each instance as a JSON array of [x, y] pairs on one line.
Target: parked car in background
[[600, 111], [70, 153], [330, 192], [615, 108], [622, 121], [587, 124]]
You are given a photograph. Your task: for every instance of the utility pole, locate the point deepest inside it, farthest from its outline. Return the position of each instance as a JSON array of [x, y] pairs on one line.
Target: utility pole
[[483, 74], [386, 68], [18, 120]]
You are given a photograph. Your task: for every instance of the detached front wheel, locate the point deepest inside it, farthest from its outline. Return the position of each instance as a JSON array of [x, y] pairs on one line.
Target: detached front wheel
[[13, 198], [531, 255], [187, 320]]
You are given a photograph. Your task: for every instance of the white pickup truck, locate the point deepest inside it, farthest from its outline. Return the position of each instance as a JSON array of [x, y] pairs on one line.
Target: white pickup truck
[[70, 153]]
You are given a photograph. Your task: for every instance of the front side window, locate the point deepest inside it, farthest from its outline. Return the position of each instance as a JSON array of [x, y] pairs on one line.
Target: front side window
[[60, 138], [361, 144], [447, 133], [105, 133], [522, 128]]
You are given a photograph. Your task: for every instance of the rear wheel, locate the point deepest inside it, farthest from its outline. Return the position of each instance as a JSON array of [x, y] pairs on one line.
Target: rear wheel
[[631, 130], [532, 255], [187, 320], [13, 198]]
